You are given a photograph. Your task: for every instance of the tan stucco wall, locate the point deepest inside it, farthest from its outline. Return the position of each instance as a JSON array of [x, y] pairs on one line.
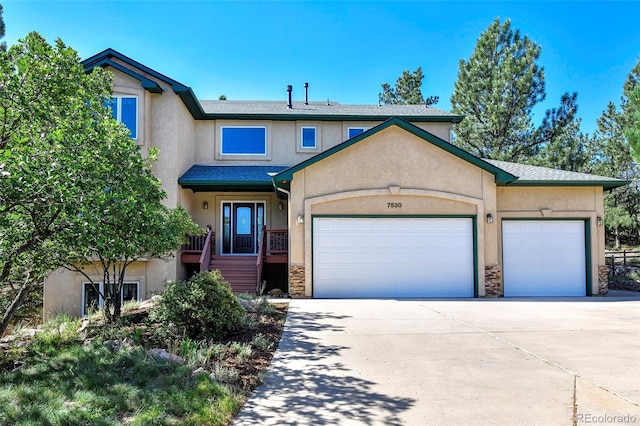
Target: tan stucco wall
[[63, 289]]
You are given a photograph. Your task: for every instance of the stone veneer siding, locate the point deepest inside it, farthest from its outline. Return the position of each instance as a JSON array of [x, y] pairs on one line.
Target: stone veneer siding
[[603, 280], [493, 281], [296, 281]]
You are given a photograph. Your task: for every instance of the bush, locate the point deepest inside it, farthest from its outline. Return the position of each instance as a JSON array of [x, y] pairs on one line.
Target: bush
[[203, 307]]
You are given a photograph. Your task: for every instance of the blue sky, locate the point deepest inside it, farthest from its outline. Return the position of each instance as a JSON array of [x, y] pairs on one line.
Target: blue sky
[[345, 50]]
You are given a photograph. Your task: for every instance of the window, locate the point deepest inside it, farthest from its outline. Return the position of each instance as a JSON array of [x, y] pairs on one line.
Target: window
[[355, 131], [308, 137], [125, 110], [92, 301], [244, 140]]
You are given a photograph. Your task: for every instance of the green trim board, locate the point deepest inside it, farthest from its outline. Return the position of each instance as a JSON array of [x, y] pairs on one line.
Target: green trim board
[[474, 227], [326, 117], [501, 177], [605, 184], [588, 261], [146, 83], [111, 53]]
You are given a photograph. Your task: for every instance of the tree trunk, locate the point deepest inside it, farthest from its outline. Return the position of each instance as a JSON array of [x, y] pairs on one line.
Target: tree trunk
[[17, 302]]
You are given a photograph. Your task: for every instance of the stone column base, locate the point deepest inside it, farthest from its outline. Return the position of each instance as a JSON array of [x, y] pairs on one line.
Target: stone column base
[[603, 280], [296, 281], [493, 281]]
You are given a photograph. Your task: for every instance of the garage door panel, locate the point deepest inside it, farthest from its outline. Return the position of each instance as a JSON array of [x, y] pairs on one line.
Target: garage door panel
[[544, 258], [394, 257]]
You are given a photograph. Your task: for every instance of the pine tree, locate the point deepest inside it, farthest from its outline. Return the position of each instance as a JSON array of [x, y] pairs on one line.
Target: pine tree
[[3, 45], [407, 91], [496, 91]]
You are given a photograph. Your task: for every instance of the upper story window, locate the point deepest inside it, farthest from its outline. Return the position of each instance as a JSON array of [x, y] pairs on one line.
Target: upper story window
[[308, 137], [244, 140], [355, 131], [125, 110]]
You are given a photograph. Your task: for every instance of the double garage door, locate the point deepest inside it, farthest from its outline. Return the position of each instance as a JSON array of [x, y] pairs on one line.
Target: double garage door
[[393, 257], [433, 257]]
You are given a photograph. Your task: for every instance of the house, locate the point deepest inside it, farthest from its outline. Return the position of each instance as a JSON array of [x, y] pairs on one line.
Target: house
[[328, 200]]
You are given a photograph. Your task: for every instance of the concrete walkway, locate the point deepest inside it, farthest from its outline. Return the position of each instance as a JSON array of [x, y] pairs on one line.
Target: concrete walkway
[[563, 361]]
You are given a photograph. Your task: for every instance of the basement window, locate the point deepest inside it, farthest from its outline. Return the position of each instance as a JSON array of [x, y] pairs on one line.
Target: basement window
[[92, 301]]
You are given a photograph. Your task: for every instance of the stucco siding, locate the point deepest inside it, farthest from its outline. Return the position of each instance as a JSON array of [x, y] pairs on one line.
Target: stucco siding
[[393, 157]]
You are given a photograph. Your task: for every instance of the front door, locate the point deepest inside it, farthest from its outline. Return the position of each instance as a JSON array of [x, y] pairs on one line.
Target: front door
[[244, 228], [242, 224]]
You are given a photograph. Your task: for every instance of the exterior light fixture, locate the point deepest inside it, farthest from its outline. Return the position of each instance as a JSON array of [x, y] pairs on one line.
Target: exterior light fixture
[[300, 218], [599, 221], [205, 205], [489, 218]]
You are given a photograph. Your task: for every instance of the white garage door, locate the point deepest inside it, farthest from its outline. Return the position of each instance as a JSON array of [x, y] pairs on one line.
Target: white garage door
[[544, 258], [392, 257]]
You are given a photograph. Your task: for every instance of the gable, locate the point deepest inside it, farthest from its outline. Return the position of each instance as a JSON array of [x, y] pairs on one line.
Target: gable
[[426, 153]]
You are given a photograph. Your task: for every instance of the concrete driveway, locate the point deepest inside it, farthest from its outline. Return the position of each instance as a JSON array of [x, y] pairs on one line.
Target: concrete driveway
[[454, 362]]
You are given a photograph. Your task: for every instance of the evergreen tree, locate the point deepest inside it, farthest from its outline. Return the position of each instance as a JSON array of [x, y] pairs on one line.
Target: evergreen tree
[[3, 45], [407, 91], [611, 156], [633, 129], [496, 90]]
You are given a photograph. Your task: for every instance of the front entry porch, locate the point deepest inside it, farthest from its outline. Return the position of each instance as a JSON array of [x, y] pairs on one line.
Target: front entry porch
[[245, 272]]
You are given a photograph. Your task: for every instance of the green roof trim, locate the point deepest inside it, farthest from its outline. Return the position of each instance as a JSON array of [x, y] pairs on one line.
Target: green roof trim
[[606, 184], [105, 58], [283, 178], [146, 83]]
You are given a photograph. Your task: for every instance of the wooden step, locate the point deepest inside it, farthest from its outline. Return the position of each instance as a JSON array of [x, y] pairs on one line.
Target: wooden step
[[240, 271]]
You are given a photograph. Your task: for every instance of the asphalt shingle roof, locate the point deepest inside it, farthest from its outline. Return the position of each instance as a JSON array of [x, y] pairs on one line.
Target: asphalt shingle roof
[[546, 176], [331, 109], [229, 178]]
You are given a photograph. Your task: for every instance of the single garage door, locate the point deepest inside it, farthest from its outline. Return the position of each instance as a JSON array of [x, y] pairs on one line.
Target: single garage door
[[544, 258], [392, 257]]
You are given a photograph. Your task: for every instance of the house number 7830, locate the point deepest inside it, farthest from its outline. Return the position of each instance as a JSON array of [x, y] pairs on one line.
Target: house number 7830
[[394, 205]]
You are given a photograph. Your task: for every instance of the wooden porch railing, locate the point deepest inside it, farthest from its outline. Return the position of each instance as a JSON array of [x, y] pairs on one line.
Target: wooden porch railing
[[198, 249], [260, 259], [273, 248]]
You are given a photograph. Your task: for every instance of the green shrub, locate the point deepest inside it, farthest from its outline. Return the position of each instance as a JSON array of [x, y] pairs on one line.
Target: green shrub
[[202, 307]]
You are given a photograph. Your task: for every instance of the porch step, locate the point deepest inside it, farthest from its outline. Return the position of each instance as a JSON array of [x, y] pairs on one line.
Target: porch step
[[240, 271]]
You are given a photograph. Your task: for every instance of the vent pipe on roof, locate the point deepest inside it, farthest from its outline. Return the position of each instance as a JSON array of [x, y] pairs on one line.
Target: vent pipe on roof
[[289, 89], [306, 93]]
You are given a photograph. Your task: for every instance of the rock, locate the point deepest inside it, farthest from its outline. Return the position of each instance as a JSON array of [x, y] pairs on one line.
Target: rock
[[276, 292], [163, 355], [198, 370], [84, 325]]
